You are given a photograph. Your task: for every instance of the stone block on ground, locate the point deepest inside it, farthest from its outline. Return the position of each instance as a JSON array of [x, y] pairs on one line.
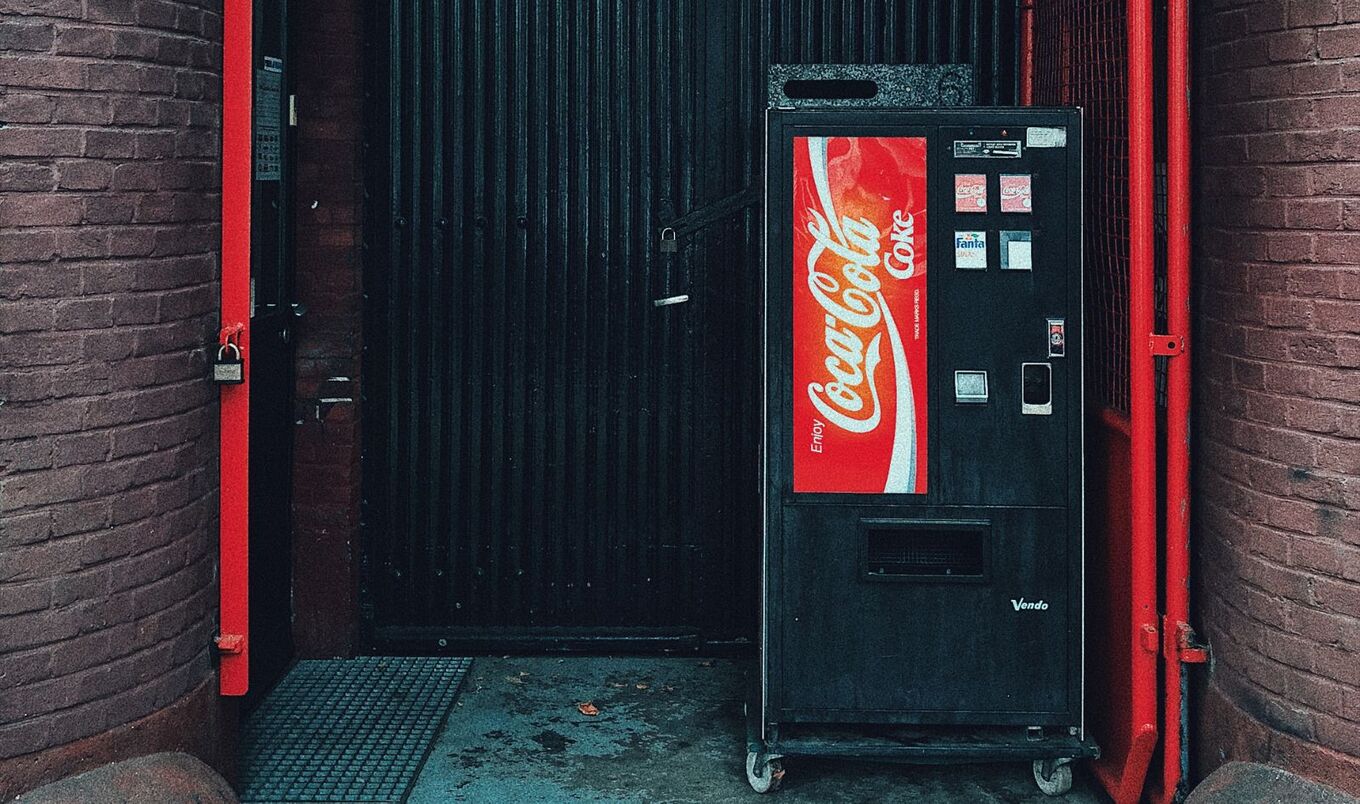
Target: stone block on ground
[[155, 779], [1252, 783]]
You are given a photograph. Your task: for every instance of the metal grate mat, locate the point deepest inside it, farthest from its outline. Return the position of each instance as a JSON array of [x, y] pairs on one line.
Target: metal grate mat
[[352, 730]]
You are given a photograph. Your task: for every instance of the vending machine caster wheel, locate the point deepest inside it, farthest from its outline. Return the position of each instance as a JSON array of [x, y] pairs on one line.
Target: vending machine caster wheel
[[764, 773], [1054, 776]]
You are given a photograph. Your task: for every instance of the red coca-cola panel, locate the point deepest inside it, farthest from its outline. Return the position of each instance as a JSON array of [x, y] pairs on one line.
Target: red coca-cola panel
[[859, 315]]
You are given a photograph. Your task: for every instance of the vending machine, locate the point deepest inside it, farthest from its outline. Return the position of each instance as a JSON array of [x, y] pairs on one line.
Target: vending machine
[[923, 481]]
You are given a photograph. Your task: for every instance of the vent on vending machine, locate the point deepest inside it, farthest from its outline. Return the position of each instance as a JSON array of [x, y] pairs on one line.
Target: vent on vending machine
[[904, 550]]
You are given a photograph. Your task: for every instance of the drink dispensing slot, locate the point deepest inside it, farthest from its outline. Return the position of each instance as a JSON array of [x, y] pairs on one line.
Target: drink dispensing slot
[[896, 550]]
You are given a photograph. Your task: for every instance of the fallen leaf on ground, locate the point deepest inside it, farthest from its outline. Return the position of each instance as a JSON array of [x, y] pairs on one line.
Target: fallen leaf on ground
[[588, 709]]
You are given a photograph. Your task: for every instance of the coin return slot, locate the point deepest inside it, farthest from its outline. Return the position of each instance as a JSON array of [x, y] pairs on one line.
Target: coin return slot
[[1036, 380]]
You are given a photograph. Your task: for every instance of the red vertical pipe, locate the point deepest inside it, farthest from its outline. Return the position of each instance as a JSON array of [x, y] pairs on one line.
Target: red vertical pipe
[[1178, 388], [234, 431], [1142, 400], [1027, 52]]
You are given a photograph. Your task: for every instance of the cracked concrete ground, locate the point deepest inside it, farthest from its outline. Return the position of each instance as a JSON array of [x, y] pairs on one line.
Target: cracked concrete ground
[[668, 730]]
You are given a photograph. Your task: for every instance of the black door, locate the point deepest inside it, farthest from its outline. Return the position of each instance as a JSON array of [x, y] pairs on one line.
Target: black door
[[561, 414], [271, 395]]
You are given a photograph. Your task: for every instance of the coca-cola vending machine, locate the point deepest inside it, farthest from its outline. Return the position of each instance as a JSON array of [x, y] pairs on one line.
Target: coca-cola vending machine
[[923, 473]]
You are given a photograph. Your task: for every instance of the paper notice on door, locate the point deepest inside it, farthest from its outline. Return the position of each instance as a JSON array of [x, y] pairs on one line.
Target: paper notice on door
[[1016, 251]]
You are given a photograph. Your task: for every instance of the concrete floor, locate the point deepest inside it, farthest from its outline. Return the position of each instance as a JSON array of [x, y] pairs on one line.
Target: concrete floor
[[668, 730]]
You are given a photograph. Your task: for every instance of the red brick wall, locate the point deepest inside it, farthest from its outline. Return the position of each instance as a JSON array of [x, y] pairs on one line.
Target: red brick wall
[[108, 261], [1278, 394], [329, 50]]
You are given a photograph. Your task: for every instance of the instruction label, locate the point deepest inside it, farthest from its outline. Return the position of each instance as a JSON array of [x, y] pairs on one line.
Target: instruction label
[[1046, 137], [269, 120], [987, 149]]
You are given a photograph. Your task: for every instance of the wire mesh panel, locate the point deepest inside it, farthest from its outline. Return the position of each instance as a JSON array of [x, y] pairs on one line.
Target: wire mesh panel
[[1081, 60]]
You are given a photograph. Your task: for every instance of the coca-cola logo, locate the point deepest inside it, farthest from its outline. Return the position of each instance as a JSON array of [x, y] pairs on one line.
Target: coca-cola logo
[[1015, 193], [970, 192], [852, 299], [859, 324], [901, 261]]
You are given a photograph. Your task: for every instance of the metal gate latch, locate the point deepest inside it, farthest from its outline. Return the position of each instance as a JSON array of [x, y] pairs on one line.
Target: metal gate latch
[[1184, 644]]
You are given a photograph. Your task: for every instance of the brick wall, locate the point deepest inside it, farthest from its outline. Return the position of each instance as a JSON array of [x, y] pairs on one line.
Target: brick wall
[[1278, 393], [329, 50], [108, 255]]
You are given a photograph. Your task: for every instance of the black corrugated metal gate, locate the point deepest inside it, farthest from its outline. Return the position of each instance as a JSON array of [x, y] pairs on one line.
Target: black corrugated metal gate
[[550, 452]]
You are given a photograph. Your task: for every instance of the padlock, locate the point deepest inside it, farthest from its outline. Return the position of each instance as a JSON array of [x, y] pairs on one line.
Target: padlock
[[669, 245], [229, 368]]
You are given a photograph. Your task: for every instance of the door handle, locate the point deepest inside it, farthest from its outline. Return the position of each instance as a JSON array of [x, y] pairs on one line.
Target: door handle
[[669, 300]]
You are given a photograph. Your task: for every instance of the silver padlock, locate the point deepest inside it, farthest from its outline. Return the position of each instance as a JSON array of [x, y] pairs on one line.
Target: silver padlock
[[669, 245], [229, 368]]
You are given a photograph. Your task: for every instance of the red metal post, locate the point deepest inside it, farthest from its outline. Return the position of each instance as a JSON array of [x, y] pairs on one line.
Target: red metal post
[[1142, 404], [1026, 52], [234, 434], [1176, 634], [1130, 727]]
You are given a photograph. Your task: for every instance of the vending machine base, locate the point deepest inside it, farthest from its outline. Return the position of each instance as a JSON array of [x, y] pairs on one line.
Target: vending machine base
[[1049, 753]]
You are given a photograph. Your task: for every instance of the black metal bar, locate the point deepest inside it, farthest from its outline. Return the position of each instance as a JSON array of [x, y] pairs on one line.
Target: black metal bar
[[477, 641], [933, 747]]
